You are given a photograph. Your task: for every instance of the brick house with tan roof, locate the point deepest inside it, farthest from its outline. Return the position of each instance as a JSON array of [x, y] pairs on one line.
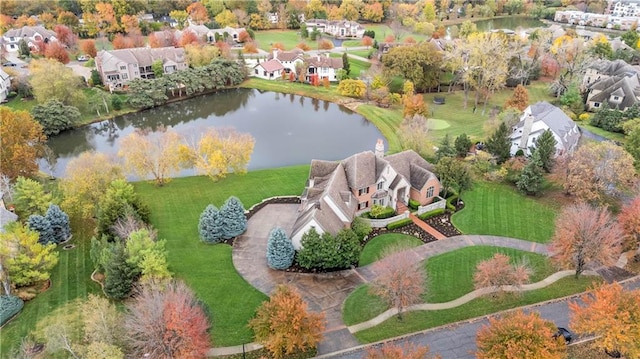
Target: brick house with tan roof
[[278, 61], [337, 191]]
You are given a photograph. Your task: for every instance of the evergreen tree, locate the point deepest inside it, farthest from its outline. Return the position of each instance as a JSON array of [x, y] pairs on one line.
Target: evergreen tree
[[280, 251], [59, 223], [499, 143], [532, 176], [311, 253], [361, 227], [41, 225], [23, 48], [233, 218], [210, 225], [545, 146], [348, 248], [345, 63], [119, 274], [445, 149], [462, 144]]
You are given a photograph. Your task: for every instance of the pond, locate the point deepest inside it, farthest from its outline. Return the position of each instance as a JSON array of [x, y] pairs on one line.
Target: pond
[[288, 129], [511, 23]]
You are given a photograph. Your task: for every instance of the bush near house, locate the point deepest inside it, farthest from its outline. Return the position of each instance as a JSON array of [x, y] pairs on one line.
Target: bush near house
[[432, 213], [413, 204], [398, 224], [379, 212]]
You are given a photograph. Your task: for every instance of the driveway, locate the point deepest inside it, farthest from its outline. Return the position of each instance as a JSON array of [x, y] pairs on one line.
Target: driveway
[[80, 70]]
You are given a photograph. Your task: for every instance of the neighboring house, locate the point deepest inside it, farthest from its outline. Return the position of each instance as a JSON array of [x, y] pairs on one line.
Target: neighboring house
[[337, 191], [118, 67], [5, 86], [288, 59], [538, 118], [613, 82], [202, 32], [338, 28], [232, 33], [168, 20], [31, 34], [323, 67], [269, 70]]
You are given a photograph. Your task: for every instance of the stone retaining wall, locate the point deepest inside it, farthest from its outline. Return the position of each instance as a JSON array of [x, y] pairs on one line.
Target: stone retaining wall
[[278, 199], [379, 223], [442, 203]]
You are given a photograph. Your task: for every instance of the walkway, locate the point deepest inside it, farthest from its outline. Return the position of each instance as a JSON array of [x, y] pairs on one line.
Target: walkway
[[401, 208]]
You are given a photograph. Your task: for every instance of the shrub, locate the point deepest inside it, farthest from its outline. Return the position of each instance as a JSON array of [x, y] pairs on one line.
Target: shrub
[[398, 224], [210, 225], [361, 227], [9, 306], [379, 212], [433, 213], [116, 103], [280, 251], [233, 218], [413, 204], [329, 252]]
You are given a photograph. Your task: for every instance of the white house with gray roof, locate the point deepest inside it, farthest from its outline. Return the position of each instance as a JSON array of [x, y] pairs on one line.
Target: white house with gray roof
[[337, 191], [118, 67], [5, 85], [538, 118], [31, 34]]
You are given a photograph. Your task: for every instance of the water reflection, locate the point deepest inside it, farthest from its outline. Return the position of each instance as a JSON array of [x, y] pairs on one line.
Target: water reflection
[[286, 132]]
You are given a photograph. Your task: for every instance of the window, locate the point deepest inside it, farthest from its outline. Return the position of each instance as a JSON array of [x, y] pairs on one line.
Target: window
[[430, 192], [125, 77], [596, 104], [615, 98], [362, 191], [256, 71], [378, 201], [123, 68], [363, 205], [380, 185]]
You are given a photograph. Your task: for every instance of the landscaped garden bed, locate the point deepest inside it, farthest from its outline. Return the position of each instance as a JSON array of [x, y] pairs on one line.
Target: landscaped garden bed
[[411, 229], [442, 224]]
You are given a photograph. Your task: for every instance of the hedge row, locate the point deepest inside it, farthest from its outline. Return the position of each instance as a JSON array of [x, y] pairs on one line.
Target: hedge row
[[413, 204], [433, 213], [398, 224], [450, 205], [381, 213], [9, 306]]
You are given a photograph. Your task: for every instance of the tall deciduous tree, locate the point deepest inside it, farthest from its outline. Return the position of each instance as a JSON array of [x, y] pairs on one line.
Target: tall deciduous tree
[[629, 218], [519, 99], [499, 143], [612, 314], [167, 322], [55, 117], [414, 135], [400, 282], [152, 153], [285, 326], [454, 175], [52, 80], [419, 64], [210, 225], [22, 142], [56, 51], [545, 146], [585, 235], [599, 171], [280, 251], [30, 198], [498, 271], [519, 335], [102, 321], [233, 217], [23, 260]]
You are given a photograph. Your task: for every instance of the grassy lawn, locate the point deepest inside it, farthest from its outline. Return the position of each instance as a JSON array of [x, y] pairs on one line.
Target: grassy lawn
[[420, 320], [320, 92], [355, 66], [450, 275], [361, 53], [375, 248], [288, 38], [383, 31], [613, 136], [498, 209], [208, 269], [70, 279]]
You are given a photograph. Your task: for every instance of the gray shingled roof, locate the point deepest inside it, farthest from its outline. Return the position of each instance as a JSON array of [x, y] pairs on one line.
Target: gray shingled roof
[[361, 169], [412, 166], [29, 31], [6, 217], [612, 68], [625, 87], [556, 120], [141, 56]]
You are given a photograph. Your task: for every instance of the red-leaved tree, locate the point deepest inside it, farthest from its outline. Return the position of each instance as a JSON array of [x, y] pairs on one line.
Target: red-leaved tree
[[65, 35], [406, 351], [629, 218], [122, 42], [519, 335], [167, 323], [89, 47], [498, 271], [188, 38], [585, 235], [285, 326], [55, 50], [613, 315], [400, 282], [367, 41]]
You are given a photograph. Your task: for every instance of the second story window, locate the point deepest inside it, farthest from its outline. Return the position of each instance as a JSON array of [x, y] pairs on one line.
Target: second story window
[[380, 185], [362, 191], [123, 68]]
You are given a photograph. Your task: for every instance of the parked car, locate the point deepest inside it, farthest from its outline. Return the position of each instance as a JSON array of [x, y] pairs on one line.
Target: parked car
[[9, 64], [564, 333], [84, 58]]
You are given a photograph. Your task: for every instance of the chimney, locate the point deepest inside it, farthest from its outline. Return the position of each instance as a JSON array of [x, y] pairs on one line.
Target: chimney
[[379, 148], [275, 54]]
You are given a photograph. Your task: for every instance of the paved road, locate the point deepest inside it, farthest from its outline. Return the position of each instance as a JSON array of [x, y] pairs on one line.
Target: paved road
[[458, 341]]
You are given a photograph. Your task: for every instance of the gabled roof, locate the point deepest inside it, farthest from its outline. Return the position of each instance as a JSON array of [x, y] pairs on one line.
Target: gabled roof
[[4, 76], [140, 56], [556, 120], [271, 65], [361, 169], [29, 31], [325, 61], [412, 166], [625, 87], [287, 55], [613, 68]]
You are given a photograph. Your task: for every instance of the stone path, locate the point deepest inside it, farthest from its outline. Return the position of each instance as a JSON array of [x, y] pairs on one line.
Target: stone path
[[427, 228]]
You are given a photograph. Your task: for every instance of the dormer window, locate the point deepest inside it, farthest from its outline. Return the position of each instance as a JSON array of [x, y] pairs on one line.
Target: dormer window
[[380, 185]]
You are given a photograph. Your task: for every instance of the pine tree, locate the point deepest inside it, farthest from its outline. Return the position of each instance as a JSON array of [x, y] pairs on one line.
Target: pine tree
[[499, 143], [462, 144], [445, 149], [59, 223], [233, 218], [41, 225], [119, 274], [280, 251], [345, 63], [546, 147], [531, 178], [210, 225]]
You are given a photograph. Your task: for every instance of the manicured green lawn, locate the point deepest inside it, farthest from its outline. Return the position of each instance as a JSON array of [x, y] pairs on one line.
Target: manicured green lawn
[[450, 275], [208, 269], [362, 53], [420, 320], [70, 279], [356, 67], [361, 306], [498, 209], [288, 38], [376, 247], [613, 136], [387, 120]]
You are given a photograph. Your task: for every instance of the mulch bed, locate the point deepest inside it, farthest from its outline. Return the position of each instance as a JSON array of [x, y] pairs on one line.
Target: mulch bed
[[442, 224], [410, 229]]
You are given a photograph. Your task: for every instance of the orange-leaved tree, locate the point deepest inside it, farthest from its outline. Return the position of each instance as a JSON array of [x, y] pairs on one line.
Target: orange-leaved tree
[[23, 140], [56, 51], [519, 99], [498, 272], [613, 315], [400, 282], [89, 47], [585, 235], [285, 326], [519, 335], [407, 351], [629, 218]]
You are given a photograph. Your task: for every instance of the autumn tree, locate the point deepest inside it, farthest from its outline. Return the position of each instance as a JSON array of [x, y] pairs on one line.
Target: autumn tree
[[519, 99], [87, 178], [367, 41], [612, 314], [23, 260], [218, 151], [599, 171], [629, 219], [65, 36], [51, 80], [22, 142], [530, 334], [585, 235], [88, 47], [454, 175], [29, 197], [188, 38], [419, 64], [164, 38], [400, 282], [414, 135], [325, 45], [201, 55], [167, 322], [152, 153], [102, 321], [285, 326], [499, 271], [390, 350], [352, 88], [414, 105]]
